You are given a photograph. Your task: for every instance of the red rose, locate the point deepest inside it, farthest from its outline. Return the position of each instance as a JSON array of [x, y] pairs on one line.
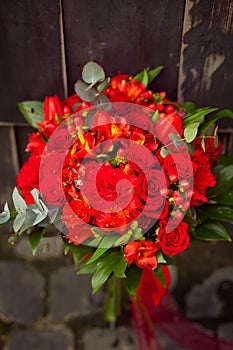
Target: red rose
[[51, 189], [28, 178], [150, 192], [60, 141], [52, 164], [175, 241], [141, 156], [210, 149], [142, 253], [176, 166], [140, 120]]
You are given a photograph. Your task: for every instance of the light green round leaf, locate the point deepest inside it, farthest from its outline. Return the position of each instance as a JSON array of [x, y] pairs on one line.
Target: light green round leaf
[[190, 132], [84, 91], [103, 86], [18, 200], [32, 111], [5, 215], [19, 221], [92, 73]]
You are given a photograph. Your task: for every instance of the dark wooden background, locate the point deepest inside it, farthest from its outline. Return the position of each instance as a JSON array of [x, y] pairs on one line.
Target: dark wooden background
[[44, 44]]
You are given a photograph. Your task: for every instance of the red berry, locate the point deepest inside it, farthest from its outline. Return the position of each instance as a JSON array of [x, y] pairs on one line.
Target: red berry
[[184, 184], [71, 128], [152, 106], [169, 109], [173, 177], [160, 107], [165, 192], [66, 110], [178, 199], [179, 215]]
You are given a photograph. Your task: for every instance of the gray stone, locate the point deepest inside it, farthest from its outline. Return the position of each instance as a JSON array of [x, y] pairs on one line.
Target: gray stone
[[203, 301], [50, 247], [225, 331], [70, 296], [122, 338], [21, 292], [41, 339]]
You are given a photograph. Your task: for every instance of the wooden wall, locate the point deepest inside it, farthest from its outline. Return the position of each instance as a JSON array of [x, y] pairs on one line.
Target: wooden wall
[[44, 45]]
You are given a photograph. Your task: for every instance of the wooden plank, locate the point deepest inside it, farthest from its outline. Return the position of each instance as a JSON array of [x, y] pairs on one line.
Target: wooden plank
[[22, 133], [30, 65], [206, 71], [9, 163], [124, 36]]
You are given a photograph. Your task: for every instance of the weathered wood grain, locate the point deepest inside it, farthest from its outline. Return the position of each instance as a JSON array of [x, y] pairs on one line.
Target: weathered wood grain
[[30, 65], [9, 162], [206, 70], [124, 36]]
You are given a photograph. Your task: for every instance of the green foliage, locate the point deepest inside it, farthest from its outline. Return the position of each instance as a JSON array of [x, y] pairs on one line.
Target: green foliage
[[35, 239], [212, 230], [197, 116], [113, 262], [148, 75], [32, 111], [5, 215], [85, 92], [133, 276], [106, 243], [160, 275], [224, 113], [93, 73], [19, 202], [190, 132], [190, 107], [224, 182], [217, 212]]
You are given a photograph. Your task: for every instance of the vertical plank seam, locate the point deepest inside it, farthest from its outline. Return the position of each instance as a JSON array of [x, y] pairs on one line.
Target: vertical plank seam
[[180, 98], [63, 52], [14, 150]]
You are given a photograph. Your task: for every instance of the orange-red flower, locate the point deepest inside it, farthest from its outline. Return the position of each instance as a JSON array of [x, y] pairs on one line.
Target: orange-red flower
[[142, 253]]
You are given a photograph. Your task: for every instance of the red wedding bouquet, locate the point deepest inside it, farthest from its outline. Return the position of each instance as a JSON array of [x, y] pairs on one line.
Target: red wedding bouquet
[[127, 176]]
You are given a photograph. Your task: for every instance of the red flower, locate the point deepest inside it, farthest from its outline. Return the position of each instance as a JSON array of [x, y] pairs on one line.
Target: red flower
[[52, 108], [176, 166], [36, 144], [168, 124], [203, 178], [175, 241], [210, 149], [142, 253], [28, 178]]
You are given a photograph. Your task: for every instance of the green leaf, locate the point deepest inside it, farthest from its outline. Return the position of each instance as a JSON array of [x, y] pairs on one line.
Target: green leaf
[[35, 239], [190, 132], [29, 220], [198, 115], [85, 92], [80, 252], [190, 107], [225, 198], [19, 221], [122, 240], [113, 262], [160, 258], [164, 152], [5, 215], [133, 277], [153, 73], [32, 111], [155, 116], [160, 275], [87, 269], [92, 73], [212, 230], [222, 114], [140, 75], [103, 86], [19, 202], [217, 212], [106, 243], [224, 181], [145, 78]]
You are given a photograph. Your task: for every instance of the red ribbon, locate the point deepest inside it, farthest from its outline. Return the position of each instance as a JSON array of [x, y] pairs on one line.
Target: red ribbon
[[152, 309]]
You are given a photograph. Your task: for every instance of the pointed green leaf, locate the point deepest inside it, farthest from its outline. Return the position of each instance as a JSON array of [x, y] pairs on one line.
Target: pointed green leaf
[[160, 258], [153, 73], [92, 73], [225, 198], [19, 221], [5, 215], [190, 132], [212, 230], [87, 269], [224, 181], [106, 243], [160, 275], [218, 212], [79, 252], [225, 113], [198, 115], [32, 111], [19, 202], [133, 277], [145, 78], [35, 239], [140, 75]]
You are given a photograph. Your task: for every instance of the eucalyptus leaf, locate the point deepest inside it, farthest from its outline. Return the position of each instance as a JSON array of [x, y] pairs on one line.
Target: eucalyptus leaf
[[5, 215], [19, 221], [84, 92], [29, 220], [190, 132], [212, 230], [19, 202], [32, 111], [92, 73], [36, 196], [103, 86]]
